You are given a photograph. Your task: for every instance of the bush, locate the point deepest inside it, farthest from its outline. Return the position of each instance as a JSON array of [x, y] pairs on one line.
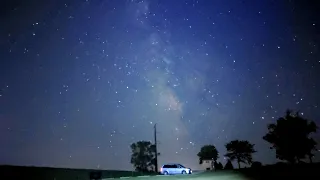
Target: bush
[[256, 164], [215, 165], [228, 165], [281, 164]]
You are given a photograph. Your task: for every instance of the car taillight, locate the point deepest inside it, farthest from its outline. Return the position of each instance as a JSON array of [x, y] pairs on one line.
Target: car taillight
[[160, 169]]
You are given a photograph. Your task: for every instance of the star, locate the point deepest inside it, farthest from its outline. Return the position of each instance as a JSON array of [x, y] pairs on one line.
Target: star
[[90, 78]]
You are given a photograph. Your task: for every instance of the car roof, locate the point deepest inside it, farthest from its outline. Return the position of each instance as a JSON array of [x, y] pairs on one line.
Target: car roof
[[172, 164]]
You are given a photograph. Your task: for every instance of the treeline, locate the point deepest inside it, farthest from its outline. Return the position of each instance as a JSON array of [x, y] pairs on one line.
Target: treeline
[[289, 136]]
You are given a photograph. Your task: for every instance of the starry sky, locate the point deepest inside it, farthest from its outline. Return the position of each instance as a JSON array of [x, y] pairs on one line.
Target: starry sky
[[82, 80]]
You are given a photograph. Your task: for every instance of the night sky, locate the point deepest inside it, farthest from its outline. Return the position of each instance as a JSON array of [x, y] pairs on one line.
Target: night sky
[[82, 80]]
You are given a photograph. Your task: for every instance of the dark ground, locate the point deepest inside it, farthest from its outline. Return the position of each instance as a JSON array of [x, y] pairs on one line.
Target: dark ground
[[279, 171], [42, 173], [283, 171]]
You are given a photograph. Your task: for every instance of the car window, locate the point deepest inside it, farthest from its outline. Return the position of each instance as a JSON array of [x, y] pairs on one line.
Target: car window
[[166, 166], [174, 166]]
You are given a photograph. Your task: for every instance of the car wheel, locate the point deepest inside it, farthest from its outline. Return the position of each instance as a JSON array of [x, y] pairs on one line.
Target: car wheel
[[165, 173], [184, 172]]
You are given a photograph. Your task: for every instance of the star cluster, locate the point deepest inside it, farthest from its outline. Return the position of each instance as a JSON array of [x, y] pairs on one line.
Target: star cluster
[[82, 80]]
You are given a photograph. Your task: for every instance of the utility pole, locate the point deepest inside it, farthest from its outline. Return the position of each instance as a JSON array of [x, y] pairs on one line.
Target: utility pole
[[155, 144]]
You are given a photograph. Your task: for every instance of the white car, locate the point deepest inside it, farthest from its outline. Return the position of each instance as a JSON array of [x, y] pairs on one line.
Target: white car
[[174, 169]]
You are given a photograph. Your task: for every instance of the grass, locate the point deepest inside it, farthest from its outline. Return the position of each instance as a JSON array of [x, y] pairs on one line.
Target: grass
[[223, 175], [279, 171], [44, 173], [306, 171], [283, 171]]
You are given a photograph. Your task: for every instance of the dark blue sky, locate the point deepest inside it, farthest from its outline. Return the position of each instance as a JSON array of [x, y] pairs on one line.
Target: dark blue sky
[[81, 80]]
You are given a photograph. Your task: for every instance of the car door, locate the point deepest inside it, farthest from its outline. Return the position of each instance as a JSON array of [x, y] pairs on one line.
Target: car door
[[175, 169], [169, 169], [181, 168]]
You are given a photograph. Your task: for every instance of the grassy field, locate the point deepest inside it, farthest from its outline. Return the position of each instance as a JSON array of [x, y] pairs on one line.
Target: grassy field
[[223, 175], [43, 173], [283, 171], [306, 171], [270, 172]]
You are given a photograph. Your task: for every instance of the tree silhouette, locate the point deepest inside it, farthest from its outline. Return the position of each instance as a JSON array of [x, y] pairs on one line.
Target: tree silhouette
[[240, 151], [218, 166], [143, 156], [311, 146], [208, 152], [228, 165], [290, 137]]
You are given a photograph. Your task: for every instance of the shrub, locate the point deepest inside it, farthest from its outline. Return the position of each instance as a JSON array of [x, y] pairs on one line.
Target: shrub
[[256, 164], [228, 165]]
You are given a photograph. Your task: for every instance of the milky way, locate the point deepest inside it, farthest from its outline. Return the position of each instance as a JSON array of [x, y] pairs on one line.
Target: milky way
[[82, 80]]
